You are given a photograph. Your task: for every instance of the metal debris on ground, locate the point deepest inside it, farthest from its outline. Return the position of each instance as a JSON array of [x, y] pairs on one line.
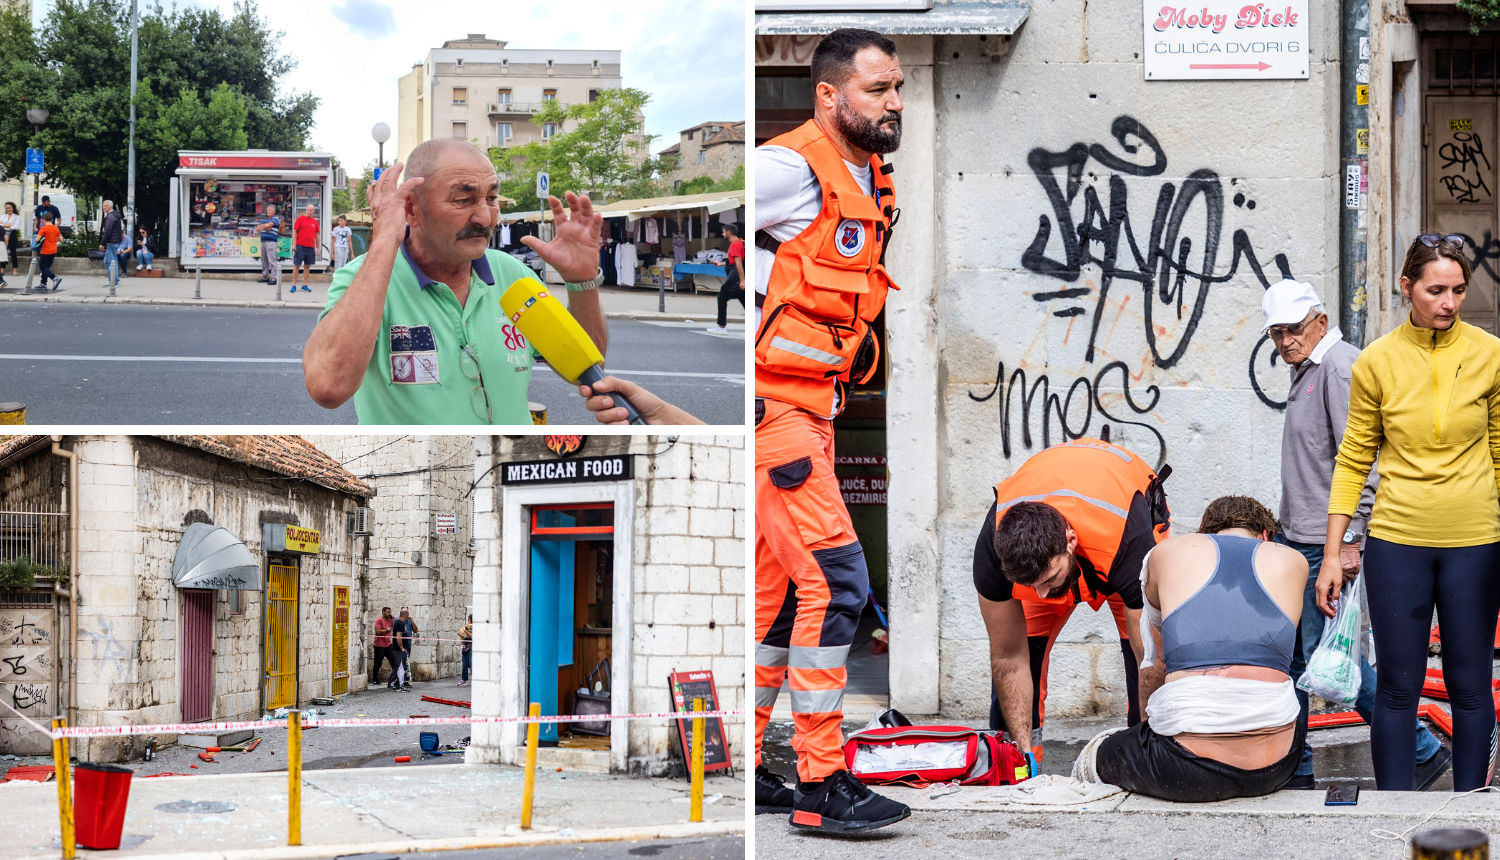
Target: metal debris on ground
[[195, 806]]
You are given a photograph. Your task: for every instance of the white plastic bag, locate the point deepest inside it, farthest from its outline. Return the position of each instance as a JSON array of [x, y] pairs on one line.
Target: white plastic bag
[[1333, 672]]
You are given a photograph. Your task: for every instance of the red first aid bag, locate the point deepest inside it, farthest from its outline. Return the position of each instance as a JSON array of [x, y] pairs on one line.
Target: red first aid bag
[[921, 755]]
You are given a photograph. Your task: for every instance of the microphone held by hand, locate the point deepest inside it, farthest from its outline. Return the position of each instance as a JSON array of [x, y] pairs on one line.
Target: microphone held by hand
[[596, 373], [544, 321]]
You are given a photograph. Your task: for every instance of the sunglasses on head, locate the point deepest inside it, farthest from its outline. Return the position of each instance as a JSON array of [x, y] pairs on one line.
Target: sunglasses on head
[[1432, 240]]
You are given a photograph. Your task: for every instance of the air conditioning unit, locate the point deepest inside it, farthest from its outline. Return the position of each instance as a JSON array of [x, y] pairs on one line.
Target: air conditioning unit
[[362, 522], [340, 179]]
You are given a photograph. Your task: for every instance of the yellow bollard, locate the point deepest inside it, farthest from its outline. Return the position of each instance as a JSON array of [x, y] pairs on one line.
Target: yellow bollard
[[12, 413], [528, 792], [697, 775], [64, 776], [294, 777]]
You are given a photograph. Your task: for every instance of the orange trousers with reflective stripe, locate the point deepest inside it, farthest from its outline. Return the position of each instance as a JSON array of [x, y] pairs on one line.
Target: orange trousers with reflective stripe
[[810, 585]]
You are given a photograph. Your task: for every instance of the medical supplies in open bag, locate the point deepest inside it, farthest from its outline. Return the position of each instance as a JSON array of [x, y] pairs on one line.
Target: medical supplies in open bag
[[1333, 672], [921, 755]]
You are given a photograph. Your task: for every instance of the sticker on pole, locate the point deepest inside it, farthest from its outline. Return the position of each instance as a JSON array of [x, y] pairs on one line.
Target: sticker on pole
[[34, 161], [543, 186], [1225, 40]]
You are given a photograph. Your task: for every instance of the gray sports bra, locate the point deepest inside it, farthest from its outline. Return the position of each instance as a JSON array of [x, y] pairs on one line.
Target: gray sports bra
[[1231, 620]]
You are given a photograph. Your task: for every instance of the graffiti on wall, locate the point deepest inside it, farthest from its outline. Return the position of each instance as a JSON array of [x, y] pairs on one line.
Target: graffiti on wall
[[1171, 265]]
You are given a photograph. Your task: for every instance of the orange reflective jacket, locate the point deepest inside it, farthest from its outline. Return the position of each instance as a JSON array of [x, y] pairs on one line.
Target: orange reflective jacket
[[827, 285], [1091, 483]]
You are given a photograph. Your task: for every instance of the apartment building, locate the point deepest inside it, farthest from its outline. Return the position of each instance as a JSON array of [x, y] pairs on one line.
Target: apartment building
[[477, 89]]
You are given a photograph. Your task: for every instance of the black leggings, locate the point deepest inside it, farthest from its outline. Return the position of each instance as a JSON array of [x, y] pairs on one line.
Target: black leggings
[[1403, 583], [728, 293]]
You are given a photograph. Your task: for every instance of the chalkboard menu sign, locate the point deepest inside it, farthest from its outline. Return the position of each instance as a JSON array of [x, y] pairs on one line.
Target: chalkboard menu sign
[[687, 686]]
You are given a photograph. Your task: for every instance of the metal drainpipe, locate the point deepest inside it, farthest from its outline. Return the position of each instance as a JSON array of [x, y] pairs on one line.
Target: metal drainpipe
[[72, 578], [1354, 129]]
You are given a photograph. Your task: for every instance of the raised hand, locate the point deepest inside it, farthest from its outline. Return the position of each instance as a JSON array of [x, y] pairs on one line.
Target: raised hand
[[388, 198], [574, 250]]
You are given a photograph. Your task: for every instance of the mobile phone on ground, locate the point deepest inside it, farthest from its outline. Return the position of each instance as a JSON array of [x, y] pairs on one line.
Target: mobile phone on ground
[[1342, 795]]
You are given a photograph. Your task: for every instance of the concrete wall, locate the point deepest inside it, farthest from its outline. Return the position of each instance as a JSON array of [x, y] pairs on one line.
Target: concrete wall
[[687, 608], [415, 477]]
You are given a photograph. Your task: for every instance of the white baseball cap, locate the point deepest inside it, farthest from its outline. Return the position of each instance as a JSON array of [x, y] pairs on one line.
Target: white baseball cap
[[1288, 301]]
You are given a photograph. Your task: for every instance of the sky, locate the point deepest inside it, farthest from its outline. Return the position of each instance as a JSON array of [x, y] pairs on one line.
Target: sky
[[688, 54]]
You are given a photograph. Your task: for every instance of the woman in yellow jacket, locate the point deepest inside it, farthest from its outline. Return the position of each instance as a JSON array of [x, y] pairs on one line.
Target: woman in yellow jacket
[[1427, 398]]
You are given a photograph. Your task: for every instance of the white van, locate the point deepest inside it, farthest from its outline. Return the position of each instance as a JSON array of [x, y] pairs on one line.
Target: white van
[[68, 208]]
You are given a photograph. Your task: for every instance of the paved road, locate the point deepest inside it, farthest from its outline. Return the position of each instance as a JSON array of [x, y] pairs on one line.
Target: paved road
[[707, 848], [165, 365]]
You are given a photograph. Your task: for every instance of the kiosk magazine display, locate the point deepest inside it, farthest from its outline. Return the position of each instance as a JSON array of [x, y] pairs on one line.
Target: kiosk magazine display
[[687, 686]]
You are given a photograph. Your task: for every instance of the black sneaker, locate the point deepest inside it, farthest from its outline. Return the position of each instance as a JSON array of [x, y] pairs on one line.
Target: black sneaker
[[842, 804], [1429, 771], [1305, 782], [771, 793]]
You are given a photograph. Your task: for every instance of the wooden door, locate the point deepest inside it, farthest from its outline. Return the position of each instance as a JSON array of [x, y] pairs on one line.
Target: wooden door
[[1460, 188], [340, 640], [281, 636], [197, 655], [28, 661]]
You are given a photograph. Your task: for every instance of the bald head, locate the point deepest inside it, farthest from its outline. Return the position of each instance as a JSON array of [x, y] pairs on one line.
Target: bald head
[[428, 158]]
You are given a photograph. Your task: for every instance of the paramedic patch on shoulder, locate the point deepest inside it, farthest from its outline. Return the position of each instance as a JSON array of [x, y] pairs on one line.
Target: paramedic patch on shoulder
[[850, 237], [414, 359]]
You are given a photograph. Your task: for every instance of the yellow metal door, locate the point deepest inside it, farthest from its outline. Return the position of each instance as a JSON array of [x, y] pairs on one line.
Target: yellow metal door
[[340, 640], [281, 637]]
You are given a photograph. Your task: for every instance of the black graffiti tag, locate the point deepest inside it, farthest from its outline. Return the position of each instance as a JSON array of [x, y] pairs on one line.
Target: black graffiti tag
[[1466, 150], [15, 664], [24, 696]]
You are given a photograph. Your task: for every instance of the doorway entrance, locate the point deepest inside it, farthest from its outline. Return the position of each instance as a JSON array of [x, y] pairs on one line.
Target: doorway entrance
[[571, 613], [283, 583], [1461, 88], [197, 655]]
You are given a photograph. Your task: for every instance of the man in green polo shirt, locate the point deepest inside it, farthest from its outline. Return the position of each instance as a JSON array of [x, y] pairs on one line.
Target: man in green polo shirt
[[413, 329]]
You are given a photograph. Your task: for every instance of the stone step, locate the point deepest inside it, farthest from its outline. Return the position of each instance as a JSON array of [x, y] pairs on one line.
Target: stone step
[[227, 739]]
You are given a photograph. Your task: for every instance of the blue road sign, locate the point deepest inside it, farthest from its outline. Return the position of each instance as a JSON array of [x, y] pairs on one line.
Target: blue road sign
[[543, 186], [34, 161], [378, 171]]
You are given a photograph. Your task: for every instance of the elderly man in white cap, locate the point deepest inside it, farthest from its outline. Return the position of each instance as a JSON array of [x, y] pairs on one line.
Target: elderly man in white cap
[[1317, 408]]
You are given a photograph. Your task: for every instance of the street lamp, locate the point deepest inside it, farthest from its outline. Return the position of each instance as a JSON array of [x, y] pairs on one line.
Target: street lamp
[[382, 133], [38, 118]]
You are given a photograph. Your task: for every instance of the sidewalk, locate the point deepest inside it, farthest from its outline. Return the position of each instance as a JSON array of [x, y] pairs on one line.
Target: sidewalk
[[619, 303]]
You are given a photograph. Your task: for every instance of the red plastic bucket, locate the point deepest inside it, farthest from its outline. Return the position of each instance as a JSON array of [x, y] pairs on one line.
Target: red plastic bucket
[[100, 794]]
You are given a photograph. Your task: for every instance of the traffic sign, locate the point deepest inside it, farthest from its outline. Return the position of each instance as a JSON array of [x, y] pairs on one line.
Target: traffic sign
[[34, 161], [378, 171], [543, 186]]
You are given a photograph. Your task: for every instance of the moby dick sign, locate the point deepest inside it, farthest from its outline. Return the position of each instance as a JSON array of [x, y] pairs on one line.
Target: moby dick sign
[[1225, 39]]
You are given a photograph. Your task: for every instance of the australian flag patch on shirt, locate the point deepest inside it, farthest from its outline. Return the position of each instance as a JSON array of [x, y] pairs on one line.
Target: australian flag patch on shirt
[[414, 359]]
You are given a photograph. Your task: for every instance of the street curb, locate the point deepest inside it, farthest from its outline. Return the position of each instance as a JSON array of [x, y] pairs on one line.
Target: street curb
[[661, 317], [460, 843], [134, 300]]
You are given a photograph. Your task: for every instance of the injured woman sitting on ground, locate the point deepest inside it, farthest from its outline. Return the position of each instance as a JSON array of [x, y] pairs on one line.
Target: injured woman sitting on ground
[[1221, 610]]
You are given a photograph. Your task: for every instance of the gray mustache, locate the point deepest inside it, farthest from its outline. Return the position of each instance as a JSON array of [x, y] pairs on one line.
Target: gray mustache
[[472, 232]]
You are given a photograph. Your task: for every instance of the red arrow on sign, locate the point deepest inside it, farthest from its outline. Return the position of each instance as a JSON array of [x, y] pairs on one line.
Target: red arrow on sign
[[1259, 67]]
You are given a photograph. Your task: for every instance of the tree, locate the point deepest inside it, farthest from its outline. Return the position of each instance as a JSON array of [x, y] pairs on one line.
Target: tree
[[603, 154], [207, 81], [354, 198], [705, 184]]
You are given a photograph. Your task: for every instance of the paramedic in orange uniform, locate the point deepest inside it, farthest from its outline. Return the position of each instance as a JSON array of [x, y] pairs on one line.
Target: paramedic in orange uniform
[[824, 209], [1072, 525]]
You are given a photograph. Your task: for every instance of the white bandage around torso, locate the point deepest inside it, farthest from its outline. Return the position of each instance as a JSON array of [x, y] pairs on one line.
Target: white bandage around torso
[[1210, 704]]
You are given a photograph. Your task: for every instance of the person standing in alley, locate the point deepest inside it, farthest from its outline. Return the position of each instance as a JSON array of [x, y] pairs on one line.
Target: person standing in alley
[[111, 235], [270, 238], [733, 285], [304, 248], [406, 634], [466, 635], [383, 646]]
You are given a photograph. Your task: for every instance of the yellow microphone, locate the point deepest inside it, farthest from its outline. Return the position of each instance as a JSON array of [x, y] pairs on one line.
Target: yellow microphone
[[544, 321]]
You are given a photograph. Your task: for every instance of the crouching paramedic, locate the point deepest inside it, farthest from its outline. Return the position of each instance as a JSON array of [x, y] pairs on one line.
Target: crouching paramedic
[[824, 207], [1221, 714], [1071, 525]]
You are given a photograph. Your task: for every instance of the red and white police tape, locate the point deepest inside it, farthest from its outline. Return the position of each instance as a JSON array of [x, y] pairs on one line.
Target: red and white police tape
[[198, 728]]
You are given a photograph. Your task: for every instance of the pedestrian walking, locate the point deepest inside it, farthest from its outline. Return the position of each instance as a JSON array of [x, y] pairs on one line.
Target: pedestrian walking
[[304, 247], [270, 238], [466, 636], [45, 246], [383, 647], [143, 255], [406, 634], [1320, 363], [10, 223], [343, 244], [1425, 398], [732, 288], [111, 234]]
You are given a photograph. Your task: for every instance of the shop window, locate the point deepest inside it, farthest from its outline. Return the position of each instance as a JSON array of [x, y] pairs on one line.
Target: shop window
[[549, 95], [504, 97], [461, 131], [548, 130], [460, 95], [593, 519]]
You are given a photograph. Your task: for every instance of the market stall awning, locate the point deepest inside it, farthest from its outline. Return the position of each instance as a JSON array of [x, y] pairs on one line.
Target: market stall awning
[[945, 18], [715, 202], [210, 557]]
